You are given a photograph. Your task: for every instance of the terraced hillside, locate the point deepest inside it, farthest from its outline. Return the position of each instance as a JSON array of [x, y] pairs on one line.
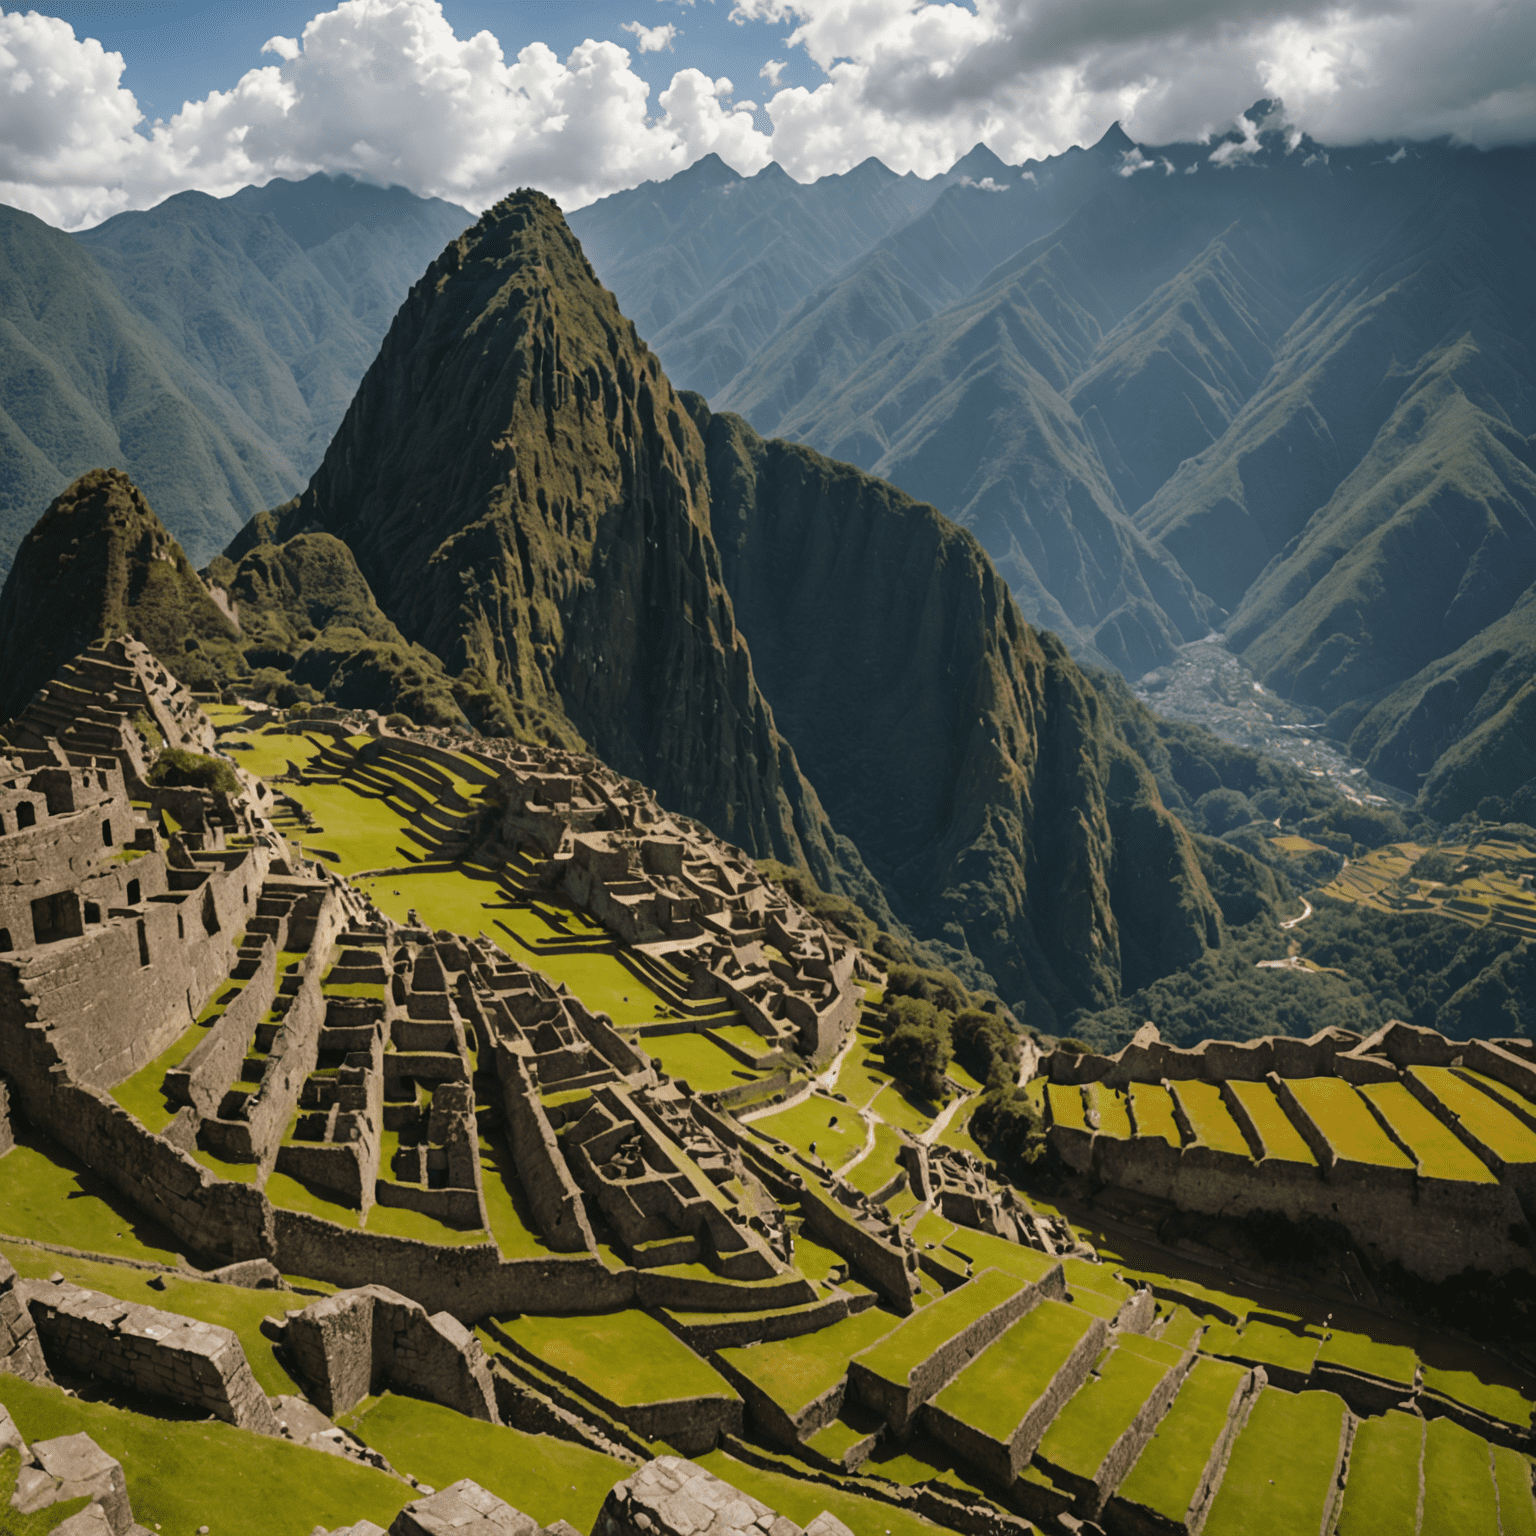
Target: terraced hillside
[[494, 1031]]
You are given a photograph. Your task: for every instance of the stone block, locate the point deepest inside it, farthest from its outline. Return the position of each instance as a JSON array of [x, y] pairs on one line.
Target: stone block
[[827, 1524], [74, 1467], [332, 1345], [463, 1507], [673, 1497]]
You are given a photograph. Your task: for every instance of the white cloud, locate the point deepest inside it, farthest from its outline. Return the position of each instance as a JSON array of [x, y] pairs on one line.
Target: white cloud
[[652, 39], [386, 88]]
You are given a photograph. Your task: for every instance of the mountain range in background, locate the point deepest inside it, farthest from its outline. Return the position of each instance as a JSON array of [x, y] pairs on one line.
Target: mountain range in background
[[1256, 385], [207, 347]]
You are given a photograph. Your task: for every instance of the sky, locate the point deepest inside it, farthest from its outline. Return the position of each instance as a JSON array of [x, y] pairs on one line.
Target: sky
[[113, 104]]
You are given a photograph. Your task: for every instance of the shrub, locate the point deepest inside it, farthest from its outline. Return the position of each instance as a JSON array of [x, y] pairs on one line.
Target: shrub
[[175, 769], [918, 1051], [1008, 1126], [985, 1046], [1224, 809]]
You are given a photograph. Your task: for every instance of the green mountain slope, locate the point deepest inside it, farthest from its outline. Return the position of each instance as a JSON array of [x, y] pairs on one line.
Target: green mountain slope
[[207, 346]]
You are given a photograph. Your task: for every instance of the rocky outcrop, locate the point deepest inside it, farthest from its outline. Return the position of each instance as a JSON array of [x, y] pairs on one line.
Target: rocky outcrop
[[673, 1497]]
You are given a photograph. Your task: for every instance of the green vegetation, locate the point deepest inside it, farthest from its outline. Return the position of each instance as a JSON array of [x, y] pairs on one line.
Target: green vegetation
[[877, 1170], [994, 1392], [183, 1474], [917, 1336], [1264, 1343], [1459, 1495], [1485, 1117], [795, 1372], [1281, 1474], [694, 1058], [1100, 1411], [506, 1206], [175, 769], [1152, 1112], [1381, 1497], [833, 1130], [802, 1501], [1436, 1149], [1358, 1352], [1168, 1472], [1349, 1127], [627, 1356], [1281, 1139], [44, 1520], [1512, 1473], [1488, 1388], [546, 1478], [1112, 1108], [1210, 1118], [1066, 1104]]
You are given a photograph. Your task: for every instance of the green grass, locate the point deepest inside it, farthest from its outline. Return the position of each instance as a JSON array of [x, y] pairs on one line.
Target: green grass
[[1158, 1351], [1282, 1141], [1280, 1478], [392, 1221], [1066, 1102], [1356, 1352], [1113, 1108], [809, 1122], [230, 1306], [41, 1521], [1499, 1399], [1100, 1411], [1506, 1095], [1211, 1120], [1436, 1149], [919, 1335], [1167, 1474], [627, 1356], [859, 1078], [898, 1106], [363, 832], [998, 1387], [795, 1372], [1459, 1497], [880, 1167], [1484, 1116], [698, 1061], [1381, 1497], [835, 1440], [986, 1251], [957, 1133], [801, 1501], [267, 753], [506, 1206], [546, 1478], [1350, 1128], [1152, 1110], [1512, 1473], [1082, 1275], [184, 1474], [1182, 1329], [1267, 1343], [45, 1194], [141, 1094]]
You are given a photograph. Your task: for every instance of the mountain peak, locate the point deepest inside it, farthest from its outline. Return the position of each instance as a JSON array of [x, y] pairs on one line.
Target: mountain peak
[[1116, 141], [707, 171], [978, 163]]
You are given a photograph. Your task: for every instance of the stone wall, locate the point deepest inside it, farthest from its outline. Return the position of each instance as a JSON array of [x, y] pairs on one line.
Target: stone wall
[[21, 1354], [541, 1169], [673, 1497], [7, 1135], [161, 1354], [202, 1077]]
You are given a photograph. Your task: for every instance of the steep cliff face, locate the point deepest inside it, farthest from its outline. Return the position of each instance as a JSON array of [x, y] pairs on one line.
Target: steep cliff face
[[99, 564], [526, 496], [965, 754]]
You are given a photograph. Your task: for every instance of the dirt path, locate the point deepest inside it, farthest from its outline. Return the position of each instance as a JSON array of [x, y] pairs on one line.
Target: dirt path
[[871, 1120], [947, 1114], [1306, 912]]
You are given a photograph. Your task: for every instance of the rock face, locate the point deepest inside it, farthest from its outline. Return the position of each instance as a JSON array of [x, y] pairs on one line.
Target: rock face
[[97, 565], [963, 753], [526, 496], [673, 1497]]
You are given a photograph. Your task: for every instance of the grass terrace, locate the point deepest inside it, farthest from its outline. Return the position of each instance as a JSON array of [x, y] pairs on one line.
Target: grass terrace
[[1358, 1352], [1264, 1343], [1459, 1494], [546, 1478], [697, 1061], [1100, 1411], [1350, 1128], [983, 1250], [1487, 1118], [1521, 1106], [880, 1167], [1512, 1474], [994, 1392], [1168, 1473], [958, 1133], [1113, 1109], [1381, 1497], [1436, 1148], [898, 1106], [916, 1337], [183, 1474], [862, 1075], [1066, 1102], [1294, 1436], [1210, 1118], [627, 1356], [834, 1130], [1282, 1141], [795, 1372], [1152, 1110]]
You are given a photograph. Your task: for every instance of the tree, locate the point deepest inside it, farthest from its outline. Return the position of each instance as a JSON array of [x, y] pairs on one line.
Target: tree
[[918, 1046], [1008, 1126], [986, 1046]]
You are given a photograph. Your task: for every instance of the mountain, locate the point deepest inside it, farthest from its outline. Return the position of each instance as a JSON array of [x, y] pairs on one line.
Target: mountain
[[208, 346], [1258, 385], [600, 561]]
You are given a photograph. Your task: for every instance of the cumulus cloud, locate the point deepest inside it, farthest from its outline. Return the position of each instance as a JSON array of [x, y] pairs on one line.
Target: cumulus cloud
[[386, 88], [651, 39]]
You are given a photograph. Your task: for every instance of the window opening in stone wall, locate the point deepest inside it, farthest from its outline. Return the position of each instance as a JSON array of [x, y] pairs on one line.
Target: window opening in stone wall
[[133, 893], [92, 912], [5, 941], [143, 944], [26, 815], [106, 832], [2, 826], [181, 927], [210, 912], [56, 917]]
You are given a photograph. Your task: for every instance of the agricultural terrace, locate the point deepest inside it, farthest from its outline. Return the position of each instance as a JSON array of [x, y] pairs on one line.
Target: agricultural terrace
[[1435, 1147], [1152, 1112], [1478, 883], [815, 1124], [1282, 1141], [1171, 1468], [1510, 1139], [1281, 1476], [795, 1372], [895, 1356], [1382, 1494], [1106, 1405], [1066, 1106], [1209, 1117], [995, 1391], [1459, 1494], [1348, 1127]]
